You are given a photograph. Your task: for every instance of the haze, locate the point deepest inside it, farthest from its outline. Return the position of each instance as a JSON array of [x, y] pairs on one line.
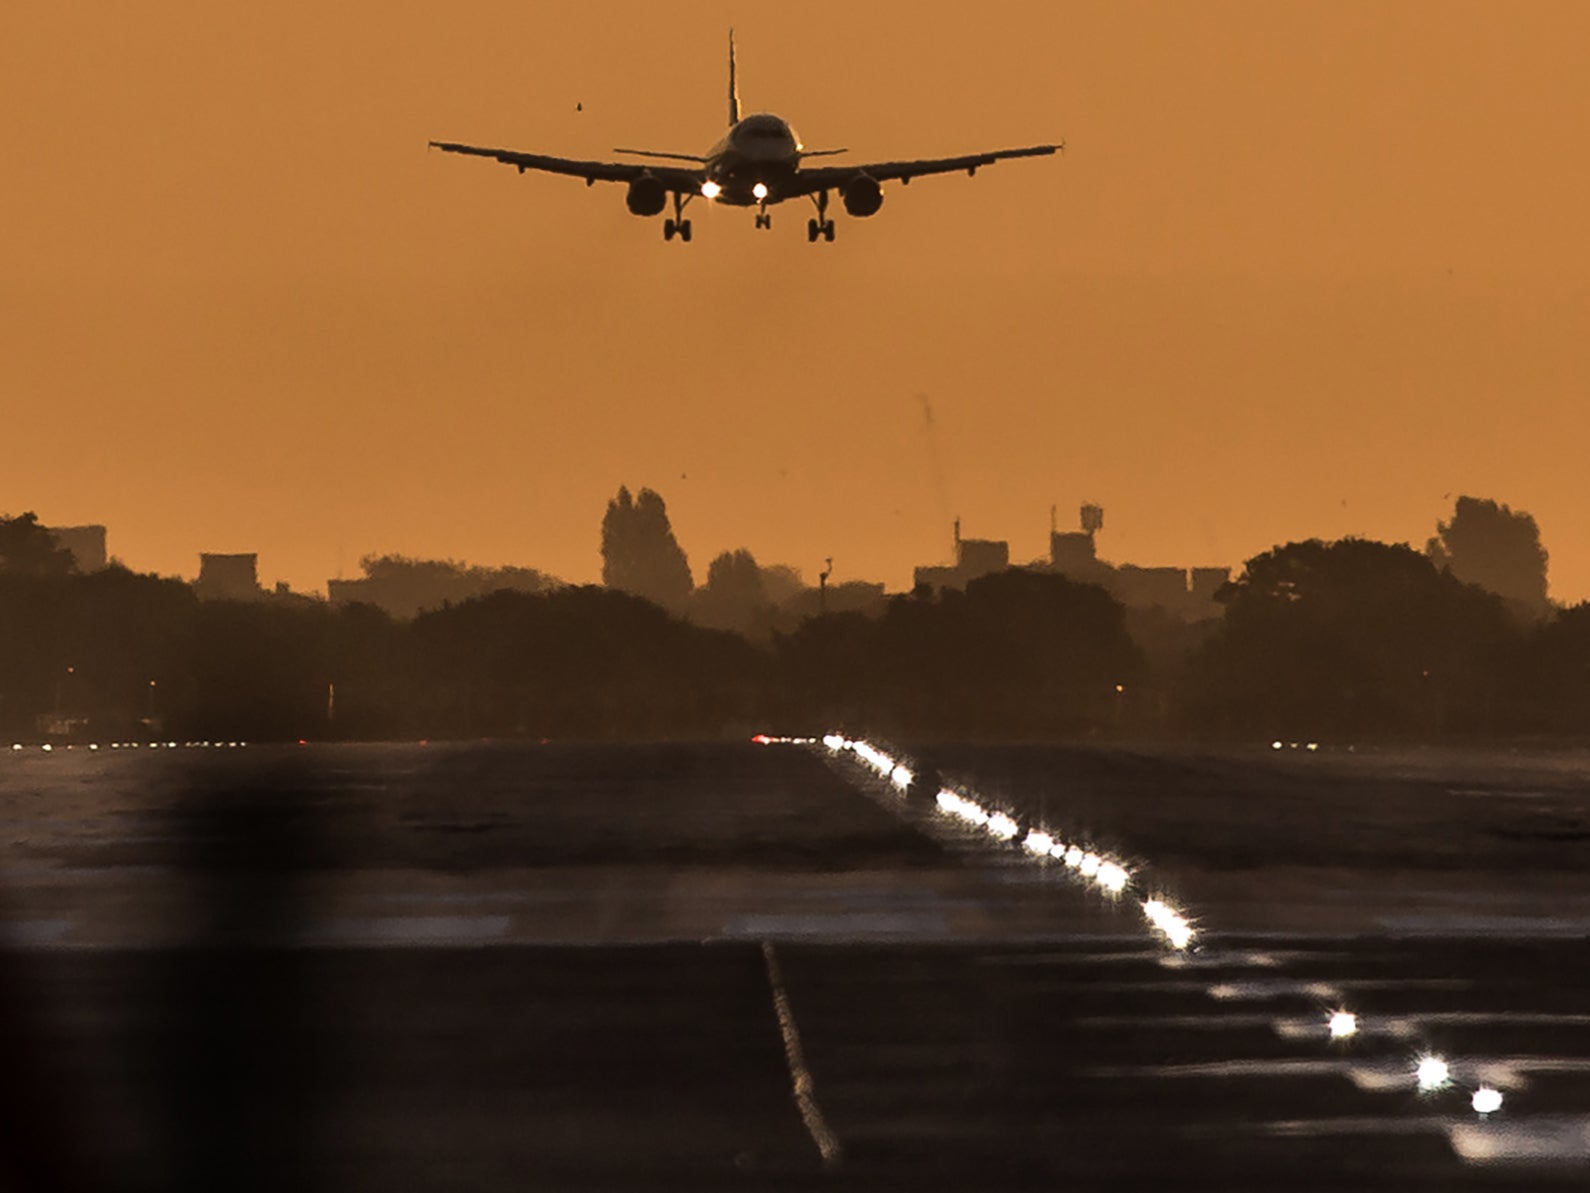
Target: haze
[[1305, 269]]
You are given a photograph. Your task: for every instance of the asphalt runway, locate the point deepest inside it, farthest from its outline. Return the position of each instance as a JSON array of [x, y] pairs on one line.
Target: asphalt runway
[[503, 967]]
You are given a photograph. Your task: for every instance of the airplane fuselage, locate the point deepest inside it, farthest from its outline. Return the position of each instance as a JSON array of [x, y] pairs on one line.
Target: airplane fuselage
[[760, 150]]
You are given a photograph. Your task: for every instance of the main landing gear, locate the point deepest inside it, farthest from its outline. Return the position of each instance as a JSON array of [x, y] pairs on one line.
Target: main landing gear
[[764, 219], [678, 225], [822, 225]]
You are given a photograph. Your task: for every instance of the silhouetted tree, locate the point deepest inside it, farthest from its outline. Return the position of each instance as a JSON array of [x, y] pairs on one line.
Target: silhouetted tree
[[734, 596], [404, 587], [1349, 638], [639, 552], [1018, 654], [28, 549], [1490, 545]]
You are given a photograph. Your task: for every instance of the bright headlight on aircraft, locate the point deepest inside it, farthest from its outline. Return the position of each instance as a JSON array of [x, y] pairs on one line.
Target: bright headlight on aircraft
[[1486, 1100], [1343, 1024], [1432, 1073], [710, 189], [760, 190]]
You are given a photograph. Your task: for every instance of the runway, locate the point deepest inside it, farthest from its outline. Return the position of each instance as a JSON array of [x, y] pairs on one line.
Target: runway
[[504, 967]]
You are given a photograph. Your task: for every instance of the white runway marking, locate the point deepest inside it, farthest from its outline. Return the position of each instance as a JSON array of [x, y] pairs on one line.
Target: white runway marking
[[800, 1076]]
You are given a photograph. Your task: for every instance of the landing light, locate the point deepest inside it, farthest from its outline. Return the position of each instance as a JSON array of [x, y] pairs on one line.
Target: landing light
[[1486, 1100], [1343, 1024], [760, 190], [711, 190]]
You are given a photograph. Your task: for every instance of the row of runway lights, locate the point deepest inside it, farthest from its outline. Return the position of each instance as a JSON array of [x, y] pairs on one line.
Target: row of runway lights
[[50, 747], [1432, 1074], [1108, 874]]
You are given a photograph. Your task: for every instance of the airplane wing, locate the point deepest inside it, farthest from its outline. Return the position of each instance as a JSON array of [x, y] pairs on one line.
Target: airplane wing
[[675, 178], [822, 178]]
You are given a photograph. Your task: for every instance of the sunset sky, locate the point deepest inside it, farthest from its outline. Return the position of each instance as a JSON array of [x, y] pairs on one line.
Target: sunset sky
[[1305, 269]]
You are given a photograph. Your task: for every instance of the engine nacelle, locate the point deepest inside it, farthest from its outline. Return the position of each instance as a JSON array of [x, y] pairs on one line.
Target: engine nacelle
[[646, 196], [863, 196]]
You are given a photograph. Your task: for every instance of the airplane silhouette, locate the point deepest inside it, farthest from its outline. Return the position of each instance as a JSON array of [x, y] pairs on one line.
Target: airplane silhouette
[[759, 162]]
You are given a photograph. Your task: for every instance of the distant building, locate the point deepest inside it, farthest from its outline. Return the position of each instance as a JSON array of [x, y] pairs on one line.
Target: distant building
[[973, 558], [86, 543], [1185, 593], [228, 578]]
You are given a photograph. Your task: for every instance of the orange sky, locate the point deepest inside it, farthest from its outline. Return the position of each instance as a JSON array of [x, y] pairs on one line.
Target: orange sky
[[1305, 269]]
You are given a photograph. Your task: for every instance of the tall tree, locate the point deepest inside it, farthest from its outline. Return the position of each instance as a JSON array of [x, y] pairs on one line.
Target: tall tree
[[639, 552], [1492, 546]]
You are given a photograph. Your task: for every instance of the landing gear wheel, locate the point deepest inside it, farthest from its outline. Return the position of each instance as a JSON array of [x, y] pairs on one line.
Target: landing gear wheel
[[764, 220], [813, 231], [828, 231], [669, 228], [684, 231]]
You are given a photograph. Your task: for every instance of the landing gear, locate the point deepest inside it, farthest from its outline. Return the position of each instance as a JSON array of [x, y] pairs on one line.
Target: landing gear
[[764, 220], [678, 225], [822, 225]]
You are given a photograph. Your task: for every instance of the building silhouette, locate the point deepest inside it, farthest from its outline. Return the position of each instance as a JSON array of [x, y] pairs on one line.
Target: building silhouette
[[86, 543], [1185, 593], [973, 558], [228, 578]]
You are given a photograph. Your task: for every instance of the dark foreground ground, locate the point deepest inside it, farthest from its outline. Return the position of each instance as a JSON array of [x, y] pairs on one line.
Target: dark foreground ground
[[508, 968]]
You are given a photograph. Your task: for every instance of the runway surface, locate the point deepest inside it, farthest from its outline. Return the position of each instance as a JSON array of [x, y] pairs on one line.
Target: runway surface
[[499, 967]]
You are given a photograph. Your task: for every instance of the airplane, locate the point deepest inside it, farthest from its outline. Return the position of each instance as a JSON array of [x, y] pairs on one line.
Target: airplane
[[758, 163]]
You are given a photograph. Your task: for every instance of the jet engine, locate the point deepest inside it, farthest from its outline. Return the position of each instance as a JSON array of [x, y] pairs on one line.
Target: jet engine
[[863, 196], [647, 196]]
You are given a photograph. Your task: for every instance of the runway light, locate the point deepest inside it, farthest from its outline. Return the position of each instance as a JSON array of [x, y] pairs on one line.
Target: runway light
[[1112, 877], [1343, 1024], [1038, 842], [1002, 826], [901, 777], [1275, 745], [760, 190], [1169, 921], [1073, 857], [1432, 1073], [1058, 851], [1486, 1100], [1090, 865], [710, 189], [48, 747]]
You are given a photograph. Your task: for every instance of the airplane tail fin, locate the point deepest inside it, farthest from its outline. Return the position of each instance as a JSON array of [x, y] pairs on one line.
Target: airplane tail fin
[[734, 89]]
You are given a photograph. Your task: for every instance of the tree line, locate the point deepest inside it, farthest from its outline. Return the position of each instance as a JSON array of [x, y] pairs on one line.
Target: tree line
[[1347, 640]]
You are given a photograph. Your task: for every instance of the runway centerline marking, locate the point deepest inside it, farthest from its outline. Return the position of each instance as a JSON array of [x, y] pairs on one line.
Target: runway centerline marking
[[800, 1076]]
